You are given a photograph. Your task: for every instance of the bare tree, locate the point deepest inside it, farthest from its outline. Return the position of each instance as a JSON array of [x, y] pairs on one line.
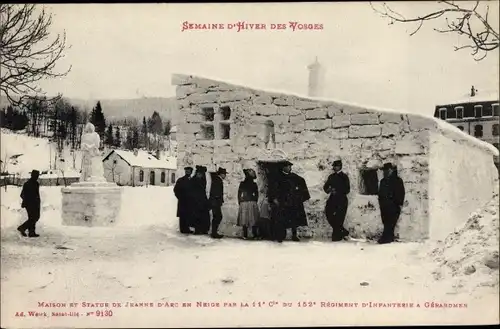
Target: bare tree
[[460, 18], [27, 53]]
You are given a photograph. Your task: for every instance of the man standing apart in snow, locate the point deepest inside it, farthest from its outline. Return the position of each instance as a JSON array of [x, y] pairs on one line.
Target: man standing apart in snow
[[291, 193], [338, 186], [182, 191], [30, 195], [216, 200], [391, 195]]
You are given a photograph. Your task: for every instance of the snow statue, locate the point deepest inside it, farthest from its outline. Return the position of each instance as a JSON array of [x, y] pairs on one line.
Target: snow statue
[[93, 201], [92, 168], [269, 135]]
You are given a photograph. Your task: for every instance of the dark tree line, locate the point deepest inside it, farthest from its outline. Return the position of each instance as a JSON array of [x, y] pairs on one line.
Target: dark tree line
[[13, 119]]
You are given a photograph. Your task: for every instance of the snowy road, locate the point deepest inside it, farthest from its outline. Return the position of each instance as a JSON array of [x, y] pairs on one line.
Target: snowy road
[[145, 260]]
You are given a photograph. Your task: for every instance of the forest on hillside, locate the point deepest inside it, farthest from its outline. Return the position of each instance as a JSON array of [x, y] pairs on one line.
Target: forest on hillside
[[63, 123]]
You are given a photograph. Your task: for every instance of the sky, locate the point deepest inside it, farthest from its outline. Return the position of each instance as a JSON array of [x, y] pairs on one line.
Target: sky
[[131, 50]]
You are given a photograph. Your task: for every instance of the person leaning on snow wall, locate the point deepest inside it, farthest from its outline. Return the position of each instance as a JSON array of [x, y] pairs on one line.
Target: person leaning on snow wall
[[391, 196], [30, 195]]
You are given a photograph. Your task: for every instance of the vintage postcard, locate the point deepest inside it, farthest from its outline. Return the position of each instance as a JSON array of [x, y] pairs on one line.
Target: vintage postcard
[[249, 164]]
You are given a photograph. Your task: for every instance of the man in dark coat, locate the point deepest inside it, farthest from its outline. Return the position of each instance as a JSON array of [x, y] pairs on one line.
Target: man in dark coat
[[200, 206], [30, 195], [391, 196], [216, 200], [290, 194], [182, 191], [338, 186]]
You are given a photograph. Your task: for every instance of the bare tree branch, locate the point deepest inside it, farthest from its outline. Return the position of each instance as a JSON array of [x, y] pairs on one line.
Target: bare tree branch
[[27, 55], [482, 37]]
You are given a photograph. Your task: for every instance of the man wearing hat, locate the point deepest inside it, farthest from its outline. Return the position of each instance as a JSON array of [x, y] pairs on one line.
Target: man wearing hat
[[182, 191], [30, 195], [216, 199], [391, 196], [289, 196], [200, 208], [337, 186]]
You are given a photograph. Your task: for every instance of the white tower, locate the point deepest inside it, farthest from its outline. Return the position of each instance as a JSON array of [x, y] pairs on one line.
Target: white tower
[[316, 79]]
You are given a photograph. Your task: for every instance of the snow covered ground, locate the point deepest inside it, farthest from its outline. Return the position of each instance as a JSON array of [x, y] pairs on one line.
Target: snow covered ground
[[144, 259], [22, 153]]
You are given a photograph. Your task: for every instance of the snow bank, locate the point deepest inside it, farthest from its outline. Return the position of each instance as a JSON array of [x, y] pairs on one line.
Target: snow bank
[[33, 153], [469, 257]]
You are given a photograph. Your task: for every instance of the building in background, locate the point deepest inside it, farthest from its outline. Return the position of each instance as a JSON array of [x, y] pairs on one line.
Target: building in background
[[476, 115], [139, 168]]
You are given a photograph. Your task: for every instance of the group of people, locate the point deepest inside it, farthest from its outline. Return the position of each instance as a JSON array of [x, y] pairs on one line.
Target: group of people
[[281, 209], [391, 196], [283, 206]]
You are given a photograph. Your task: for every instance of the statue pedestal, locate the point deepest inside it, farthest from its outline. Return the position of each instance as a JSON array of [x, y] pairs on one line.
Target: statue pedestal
[[91, 203]]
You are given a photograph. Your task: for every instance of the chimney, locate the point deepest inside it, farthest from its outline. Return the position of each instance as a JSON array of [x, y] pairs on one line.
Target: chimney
[[158, 154], [316, 77], [136, 152], [473, 91]]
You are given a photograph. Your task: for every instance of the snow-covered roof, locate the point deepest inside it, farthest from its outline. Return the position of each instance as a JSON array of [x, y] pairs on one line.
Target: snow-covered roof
[[487, 96], [145, 160], [443, 127]]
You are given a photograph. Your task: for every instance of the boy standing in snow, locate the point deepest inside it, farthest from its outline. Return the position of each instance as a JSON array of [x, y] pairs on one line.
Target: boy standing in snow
[[391, 196], [30, 195]]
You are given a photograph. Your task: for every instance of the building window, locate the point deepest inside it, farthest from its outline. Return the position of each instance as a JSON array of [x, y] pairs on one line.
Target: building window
[[442, 113], [478, 111], [460, 112], [217, 123], [461, 127], [152, 178], [494, 130], [369, 182], [478, 131], [487, 111], [208, 131], [172, 178], [208, 113], [495, 109], [141, 176], [225, 130], [114, 161], [451, 113], [468, 112], [225, 112], [162, 177]]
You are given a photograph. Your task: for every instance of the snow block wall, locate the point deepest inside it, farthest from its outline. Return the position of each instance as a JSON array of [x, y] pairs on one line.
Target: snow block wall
[[463, 179], [311, 132]]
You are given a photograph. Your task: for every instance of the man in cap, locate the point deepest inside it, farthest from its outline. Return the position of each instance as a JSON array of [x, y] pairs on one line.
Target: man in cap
[[30, 195], [216, 200], [289, 196], [391, 196], [182, 191], [337, 186], [200, 206]]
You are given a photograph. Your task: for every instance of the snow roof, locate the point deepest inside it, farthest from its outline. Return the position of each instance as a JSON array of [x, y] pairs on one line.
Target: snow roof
[[443, 127], [487, 96], [145, 160]]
